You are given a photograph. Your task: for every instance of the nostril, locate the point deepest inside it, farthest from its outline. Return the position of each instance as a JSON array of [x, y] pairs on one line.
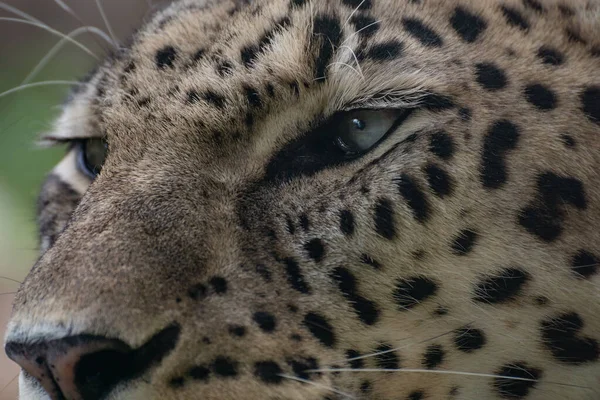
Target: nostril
[[87, 367]]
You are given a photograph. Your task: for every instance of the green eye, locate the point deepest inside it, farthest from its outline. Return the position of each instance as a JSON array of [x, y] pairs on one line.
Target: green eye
[[91, 155], [358, 131]]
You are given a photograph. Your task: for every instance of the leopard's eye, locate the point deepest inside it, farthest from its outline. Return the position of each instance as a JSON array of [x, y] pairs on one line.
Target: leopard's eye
[[91, 155], [358, 131]]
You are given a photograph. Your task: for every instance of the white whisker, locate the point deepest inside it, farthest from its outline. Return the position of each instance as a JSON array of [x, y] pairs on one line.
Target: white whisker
[[46, 59], [8, 384], [18, 12], [36, 84], [51, 30], [353, 12], [11, 279], [294, 378], [355, 59], [65, 7], [106, 22], [349, 66], [360, 30], [443, 372]]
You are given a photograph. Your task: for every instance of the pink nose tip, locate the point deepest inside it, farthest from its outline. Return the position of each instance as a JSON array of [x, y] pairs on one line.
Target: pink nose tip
[[74, 368]]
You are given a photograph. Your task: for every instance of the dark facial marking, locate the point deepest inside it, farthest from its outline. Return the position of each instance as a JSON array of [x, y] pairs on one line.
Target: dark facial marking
[[253, 97], [268, 372], [436, 102], [304, 222], [365, 309], [584, 264], [434, 356], [225, 367], [237, 330], [209, 96], [516, 389], [347, 222], [327, 32], [384, 218], [265, 321], [502, 286], [534, 5], [541, 97], [355, 364], [560, 335], [469, 339], [365, 386], [575, 37], [198, 55], [514, 18], [320, 328], [590, 100], [264, 272], [502, 136], [439, 180], [464, 242], [490, 77], [177, 383], [295, 277], [218, 284], [441, 145], [365, 25], [468, 25], [412, 291], [165, 57], [414, 197], [389, 359], [367, 259], [385, 51], [197, 292], [315, 249], [550, 56], [424, 34], [416, 395], [199, 373], [364, 5], [301, 367], [465, 114]]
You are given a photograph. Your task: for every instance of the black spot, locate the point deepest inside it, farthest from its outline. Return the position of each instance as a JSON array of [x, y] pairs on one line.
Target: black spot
[[550, 56], [556, 190], [384, 219], [225, 367], [560, 336], [414, 197], [197, 292], [534, 5], [367, 259], [412, 291], [290, 225], [237, 330], [224, 68], [514, 18], [436, 102], [502, 136], [209, 96], [315, 249], [175, 382], [304, 222], [347, 222], [301, 367], [541, 301], [219, 284], [270, 89], [365, 386], [422, 32], [252, 96], [365, 309], [468, 339], [441, 145], [364, 5], [389, 359], [328, 34], [490, 76], [320, 328], [585, 264], [268, 372], [541, 97], [575, 37], [516, 389], [439, 180], [434, 356], [385, 51], [568, 140], [355, 364], [198, 55], [296, 337], [365, 25], [165, 57], [468, 25], [265, 321], [464, 242], [465, 114], [565, 10], [502, 286], [249, 54], [544, 222], [416, 395], [199, 373], [590, 99], [295, 277], [264, 272], [441, 311]]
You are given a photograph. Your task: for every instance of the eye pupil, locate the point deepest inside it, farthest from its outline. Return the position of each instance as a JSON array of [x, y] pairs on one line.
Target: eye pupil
[[359, 124], [92, 153]]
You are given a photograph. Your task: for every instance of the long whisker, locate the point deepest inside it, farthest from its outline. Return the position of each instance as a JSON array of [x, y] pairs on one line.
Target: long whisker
[[8, 384], [65, 7], [18, 12], [353, 12], [36, 84], [46, 59], [443, 372], [7, 293], [106, 21], [11, 279], [294, 378], [51, 30]]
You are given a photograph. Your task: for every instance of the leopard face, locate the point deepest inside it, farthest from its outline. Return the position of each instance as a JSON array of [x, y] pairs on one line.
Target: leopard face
[[337, 199]]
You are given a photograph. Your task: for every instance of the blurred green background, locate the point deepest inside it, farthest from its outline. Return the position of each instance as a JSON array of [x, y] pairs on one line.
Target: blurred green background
[[27, 114]]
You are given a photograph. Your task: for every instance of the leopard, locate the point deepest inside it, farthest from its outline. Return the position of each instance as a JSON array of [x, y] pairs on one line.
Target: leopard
[[325, 200]]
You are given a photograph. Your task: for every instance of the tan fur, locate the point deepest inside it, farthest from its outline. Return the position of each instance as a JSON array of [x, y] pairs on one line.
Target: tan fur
[[164, 213]]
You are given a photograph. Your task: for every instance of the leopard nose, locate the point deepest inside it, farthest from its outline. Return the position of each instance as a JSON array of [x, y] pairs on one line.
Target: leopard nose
[[74, 368]]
